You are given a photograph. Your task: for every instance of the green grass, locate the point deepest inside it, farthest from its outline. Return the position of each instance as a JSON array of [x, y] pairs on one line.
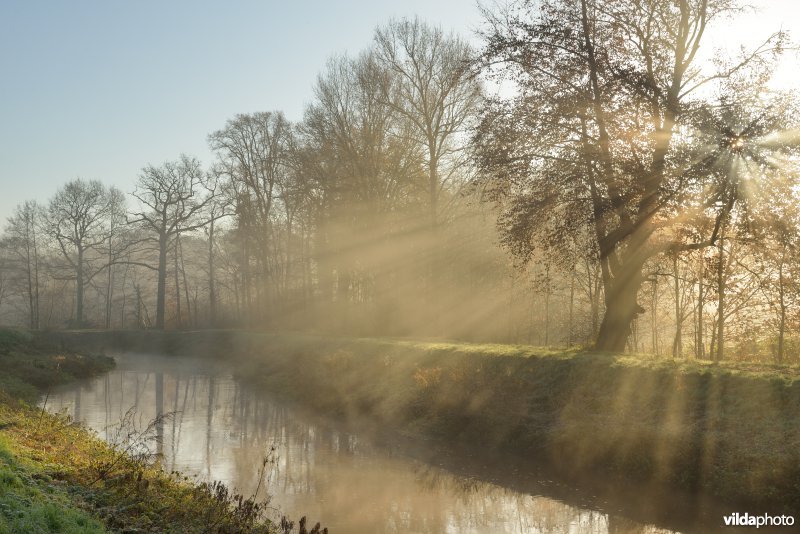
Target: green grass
[[34, 504], [56, 477], [30, 367], [730, 430]]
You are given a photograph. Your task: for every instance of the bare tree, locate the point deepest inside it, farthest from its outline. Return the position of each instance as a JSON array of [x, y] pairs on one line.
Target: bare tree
[[218, 208], [432, 88], [368, 170], [21, 240], [254, 152], [116, 243], [172, 200], [77, 220]]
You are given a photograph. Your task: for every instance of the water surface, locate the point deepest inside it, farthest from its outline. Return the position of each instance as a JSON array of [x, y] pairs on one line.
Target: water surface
[[221, 430]]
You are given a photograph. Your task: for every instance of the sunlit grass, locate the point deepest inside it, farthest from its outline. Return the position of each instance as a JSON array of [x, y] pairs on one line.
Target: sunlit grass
[[56, 476], [723, 429], [31, 501], [295, 341]]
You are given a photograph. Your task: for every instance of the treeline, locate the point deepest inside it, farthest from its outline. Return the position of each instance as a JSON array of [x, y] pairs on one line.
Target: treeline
[[384, 210], [359, 219]]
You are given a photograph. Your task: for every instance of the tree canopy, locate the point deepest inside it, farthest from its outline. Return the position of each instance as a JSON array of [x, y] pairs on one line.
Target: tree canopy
[[617, 130]]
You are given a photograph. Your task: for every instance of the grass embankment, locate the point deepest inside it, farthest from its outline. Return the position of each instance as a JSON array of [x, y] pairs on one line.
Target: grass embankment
[[732, 431], [55, 476], [729, 430]]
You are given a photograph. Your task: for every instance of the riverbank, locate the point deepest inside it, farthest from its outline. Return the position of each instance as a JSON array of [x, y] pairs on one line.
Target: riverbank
[[730, 431], [55, 476]]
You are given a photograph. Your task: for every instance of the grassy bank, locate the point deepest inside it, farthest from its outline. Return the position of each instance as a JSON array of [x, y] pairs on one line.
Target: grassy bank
[[730, 430], [55, 476], [31, 366]]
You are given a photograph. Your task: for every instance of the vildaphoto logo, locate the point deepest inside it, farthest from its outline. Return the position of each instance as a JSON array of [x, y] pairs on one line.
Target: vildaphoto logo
[[764, 520]]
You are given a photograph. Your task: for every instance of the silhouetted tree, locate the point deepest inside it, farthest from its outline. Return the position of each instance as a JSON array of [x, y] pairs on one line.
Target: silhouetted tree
[[22, 242], [604, 134], [77, 219], [172, 200], [432, 87]]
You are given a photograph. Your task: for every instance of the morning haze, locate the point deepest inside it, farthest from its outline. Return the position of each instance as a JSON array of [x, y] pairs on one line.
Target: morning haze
[[527, 266]]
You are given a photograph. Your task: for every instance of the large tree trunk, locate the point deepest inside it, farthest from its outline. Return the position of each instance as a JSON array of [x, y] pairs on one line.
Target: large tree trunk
[[212, 295], [161, 291], [79, 289], [621, 307]]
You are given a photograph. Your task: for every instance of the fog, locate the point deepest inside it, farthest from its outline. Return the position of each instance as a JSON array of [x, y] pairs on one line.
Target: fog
[[572, 240]]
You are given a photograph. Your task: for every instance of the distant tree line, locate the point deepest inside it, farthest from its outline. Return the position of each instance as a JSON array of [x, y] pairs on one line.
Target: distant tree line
[[580, 180]]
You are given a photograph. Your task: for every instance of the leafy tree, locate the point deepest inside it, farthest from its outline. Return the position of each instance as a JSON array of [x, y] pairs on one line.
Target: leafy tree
[[614, 128]]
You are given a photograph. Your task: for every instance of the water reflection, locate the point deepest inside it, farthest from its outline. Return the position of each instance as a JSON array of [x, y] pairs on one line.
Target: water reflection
[[222, 431]]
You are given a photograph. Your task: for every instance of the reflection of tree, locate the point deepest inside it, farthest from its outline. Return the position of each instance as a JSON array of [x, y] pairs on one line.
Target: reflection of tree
[[177, 418], [76, 414], [222, 431], [477, 506], [106, 402], [209, 419], [160, 414]]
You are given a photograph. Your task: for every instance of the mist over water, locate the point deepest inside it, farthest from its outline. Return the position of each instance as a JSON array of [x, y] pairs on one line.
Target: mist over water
[[221, 430], [570, 235]]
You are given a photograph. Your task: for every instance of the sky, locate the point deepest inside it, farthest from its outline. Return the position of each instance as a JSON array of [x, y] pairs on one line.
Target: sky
[[97, 89]]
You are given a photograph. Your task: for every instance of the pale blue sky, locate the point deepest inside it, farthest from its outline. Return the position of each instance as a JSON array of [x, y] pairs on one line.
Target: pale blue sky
[[98, 89]]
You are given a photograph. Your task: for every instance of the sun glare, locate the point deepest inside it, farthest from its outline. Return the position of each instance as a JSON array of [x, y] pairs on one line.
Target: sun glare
[[737, 144]]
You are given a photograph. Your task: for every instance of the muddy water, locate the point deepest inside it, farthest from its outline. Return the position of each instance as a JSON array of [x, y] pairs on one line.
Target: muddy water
[[220, 430]]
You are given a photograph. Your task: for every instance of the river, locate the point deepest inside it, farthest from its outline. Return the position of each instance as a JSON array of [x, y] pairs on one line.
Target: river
[[221, 430]]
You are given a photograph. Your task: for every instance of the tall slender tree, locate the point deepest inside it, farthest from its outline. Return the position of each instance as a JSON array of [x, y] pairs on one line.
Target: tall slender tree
[[77, 219], [432, 87], [22, 240], [172, 200]]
